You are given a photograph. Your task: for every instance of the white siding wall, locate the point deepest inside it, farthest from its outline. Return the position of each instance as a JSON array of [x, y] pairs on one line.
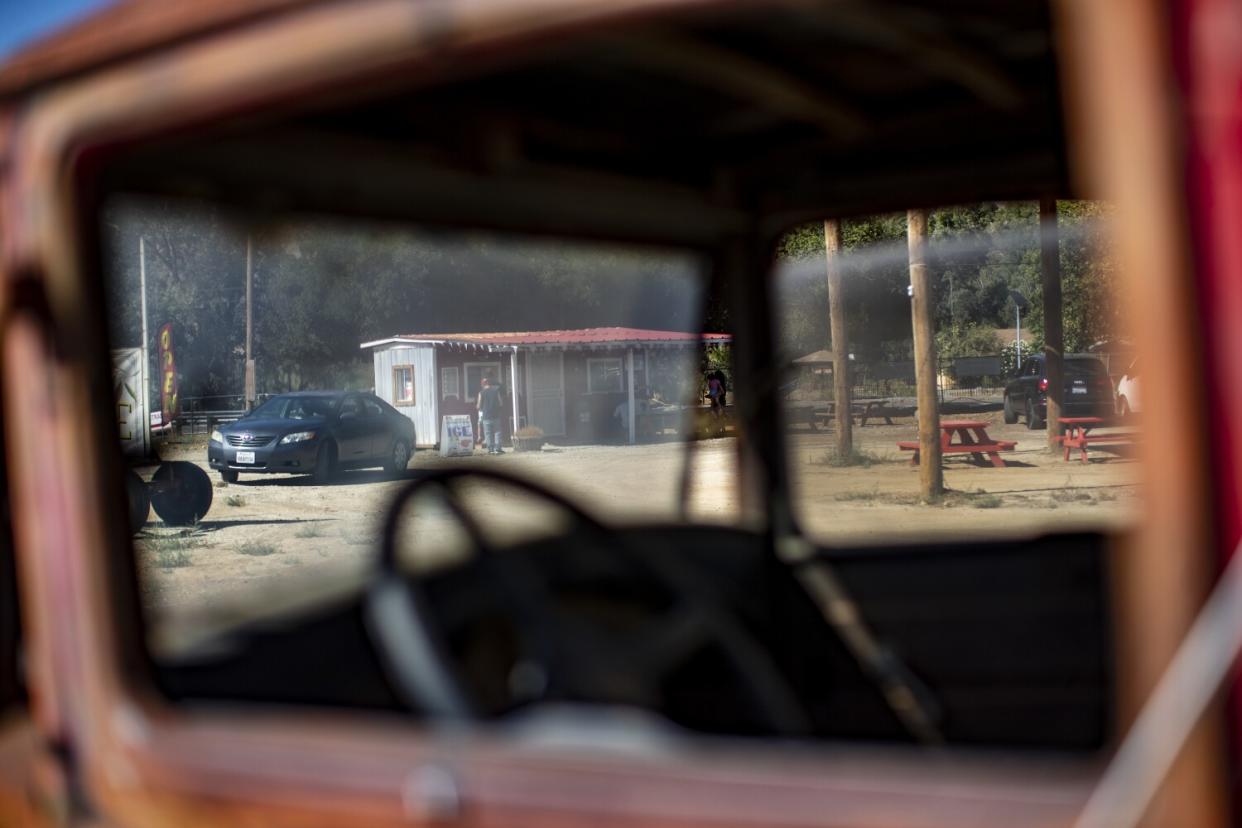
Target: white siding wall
[[425, 411]]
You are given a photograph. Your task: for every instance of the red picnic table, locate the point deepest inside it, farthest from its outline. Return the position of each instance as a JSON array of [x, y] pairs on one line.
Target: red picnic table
[[1078, 434], [972, 438]]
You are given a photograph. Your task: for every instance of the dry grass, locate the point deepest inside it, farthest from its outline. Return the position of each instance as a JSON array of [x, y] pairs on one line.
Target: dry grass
[[857, 457], [257, 549], [173, 551]]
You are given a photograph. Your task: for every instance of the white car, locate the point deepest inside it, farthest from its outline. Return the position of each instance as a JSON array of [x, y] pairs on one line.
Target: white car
[[1128, 391]]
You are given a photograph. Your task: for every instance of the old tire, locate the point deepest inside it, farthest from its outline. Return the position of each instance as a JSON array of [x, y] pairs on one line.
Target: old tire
[[325, 464], [1032, 422], [228, 475], [180, 493], [398, 459], [139, 498], [1011, 416]]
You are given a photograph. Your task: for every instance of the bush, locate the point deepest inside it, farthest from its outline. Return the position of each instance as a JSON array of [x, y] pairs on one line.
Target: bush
[[960, 340]]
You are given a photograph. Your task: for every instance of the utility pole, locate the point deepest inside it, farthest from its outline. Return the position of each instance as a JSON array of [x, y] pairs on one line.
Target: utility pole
[[1019, 304], [931, 476], [1017, 332], [840, 342], [1054, 337], [144, 400], [250, 385]]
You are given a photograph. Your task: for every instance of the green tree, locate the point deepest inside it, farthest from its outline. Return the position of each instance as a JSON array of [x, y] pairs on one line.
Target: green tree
[[977, 255]]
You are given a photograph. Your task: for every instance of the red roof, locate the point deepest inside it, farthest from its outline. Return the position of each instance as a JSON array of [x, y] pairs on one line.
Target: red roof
[[581, 336]]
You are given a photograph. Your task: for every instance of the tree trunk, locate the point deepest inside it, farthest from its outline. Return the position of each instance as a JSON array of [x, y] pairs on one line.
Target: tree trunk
[[931, 476], [840, 341], [1054, 339]]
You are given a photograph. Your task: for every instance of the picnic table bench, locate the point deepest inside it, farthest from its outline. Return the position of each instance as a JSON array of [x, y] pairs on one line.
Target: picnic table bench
[[972, 439], [863, 409], [817, 413], [656, 420], [1078, 435]]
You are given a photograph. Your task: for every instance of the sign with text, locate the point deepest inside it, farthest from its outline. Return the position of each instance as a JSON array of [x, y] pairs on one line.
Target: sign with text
[[168, 375], [456, 435], [131, 403]]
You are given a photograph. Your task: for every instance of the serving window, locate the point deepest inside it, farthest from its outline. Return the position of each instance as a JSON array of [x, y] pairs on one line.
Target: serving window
[[450, 383], [605, 376], [403, 384], [475, 373]]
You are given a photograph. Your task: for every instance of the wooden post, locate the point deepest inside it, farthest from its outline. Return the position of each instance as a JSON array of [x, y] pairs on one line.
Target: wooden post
[[513, 394], [931, 476], [249, 378], [840, 341], [1054, 339]]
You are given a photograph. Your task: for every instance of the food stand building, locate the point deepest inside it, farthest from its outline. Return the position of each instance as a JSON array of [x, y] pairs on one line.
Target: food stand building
[[569, 383]]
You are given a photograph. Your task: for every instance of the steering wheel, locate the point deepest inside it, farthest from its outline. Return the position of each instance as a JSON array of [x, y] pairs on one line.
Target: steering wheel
[[569, 661]]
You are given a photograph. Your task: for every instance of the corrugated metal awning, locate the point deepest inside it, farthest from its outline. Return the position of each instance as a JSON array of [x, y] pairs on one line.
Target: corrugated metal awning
[[580, 339]]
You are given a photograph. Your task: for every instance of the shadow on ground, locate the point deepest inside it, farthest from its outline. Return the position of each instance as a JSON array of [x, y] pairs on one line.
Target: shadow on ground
[[347, 478]]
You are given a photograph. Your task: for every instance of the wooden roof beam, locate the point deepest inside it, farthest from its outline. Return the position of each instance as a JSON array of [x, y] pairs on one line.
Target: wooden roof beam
[[735, 74], [935, 52]]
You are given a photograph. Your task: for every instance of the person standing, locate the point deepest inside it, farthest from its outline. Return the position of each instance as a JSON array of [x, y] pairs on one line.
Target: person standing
[[491, 407], [715, 390], [723, 389]]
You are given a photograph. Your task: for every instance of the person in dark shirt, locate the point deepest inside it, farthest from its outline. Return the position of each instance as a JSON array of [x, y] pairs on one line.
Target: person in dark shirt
[[491, 406]]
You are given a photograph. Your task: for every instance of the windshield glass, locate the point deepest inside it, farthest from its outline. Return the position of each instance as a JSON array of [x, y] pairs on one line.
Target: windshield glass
[[579, 364], [854, 435], [1085, 367], [295, 408], [604, 374]]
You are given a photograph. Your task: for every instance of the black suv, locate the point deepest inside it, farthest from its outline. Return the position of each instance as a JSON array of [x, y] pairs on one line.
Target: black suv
[[1088, 390]]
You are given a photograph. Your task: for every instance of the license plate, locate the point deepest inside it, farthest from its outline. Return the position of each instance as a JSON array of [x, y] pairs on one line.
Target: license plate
[[1078, 390], [245, 457]]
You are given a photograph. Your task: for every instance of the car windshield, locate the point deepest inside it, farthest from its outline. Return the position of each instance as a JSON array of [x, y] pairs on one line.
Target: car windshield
[[295, 408], [605, 373], [1085, 367], [988, 320], [592, 354]]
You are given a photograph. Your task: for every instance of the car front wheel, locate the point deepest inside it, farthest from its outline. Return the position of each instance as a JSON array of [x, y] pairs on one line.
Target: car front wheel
[[398, 458], [1011, 416], [228, 475]]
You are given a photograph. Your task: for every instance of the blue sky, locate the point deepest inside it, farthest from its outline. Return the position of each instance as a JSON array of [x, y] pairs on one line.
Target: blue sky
[[23, 21]]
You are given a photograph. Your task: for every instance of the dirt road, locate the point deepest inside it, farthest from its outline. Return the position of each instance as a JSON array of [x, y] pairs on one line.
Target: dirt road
[[274, 541]]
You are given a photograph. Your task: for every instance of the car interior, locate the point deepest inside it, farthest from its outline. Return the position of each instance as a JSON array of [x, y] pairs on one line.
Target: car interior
[[820, 126], [709, 130]]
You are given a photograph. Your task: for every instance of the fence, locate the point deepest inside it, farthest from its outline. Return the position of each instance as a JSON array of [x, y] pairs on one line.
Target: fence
[[199, 415], [978, 379]]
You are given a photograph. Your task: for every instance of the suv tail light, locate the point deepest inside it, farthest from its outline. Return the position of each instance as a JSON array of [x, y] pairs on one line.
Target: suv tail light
[[1043, 384]]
